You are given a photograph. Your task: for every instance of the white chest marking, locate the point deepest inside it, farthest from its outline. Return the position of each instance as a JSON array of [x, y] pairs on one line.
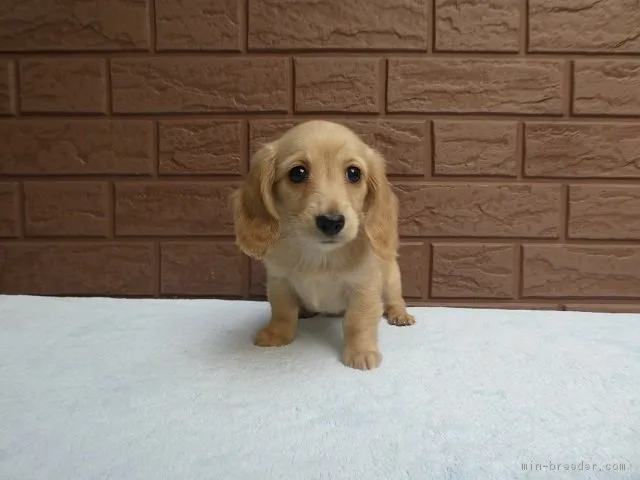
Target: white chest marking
[[321, 293]]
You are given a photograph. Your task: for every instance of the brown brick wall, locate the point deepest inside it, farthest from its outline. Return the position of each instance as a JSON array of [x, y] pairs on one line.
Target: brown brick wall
[[511, 129]]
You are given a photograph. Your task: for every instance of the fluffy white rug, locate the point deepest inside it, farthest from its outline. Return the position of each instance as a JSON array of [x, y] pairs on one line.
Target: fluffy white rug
[[174, 389]]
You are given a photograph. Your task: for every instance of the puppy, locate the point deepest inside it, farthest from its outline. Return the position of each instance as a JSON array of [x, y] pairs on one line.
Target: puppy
[[317, 209]]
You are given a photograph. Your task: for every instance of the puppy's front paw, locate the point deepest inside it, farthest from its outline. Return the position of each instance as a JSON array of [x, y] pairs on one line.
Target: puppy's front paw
[[367, 360], [399, 317], [267, 337]]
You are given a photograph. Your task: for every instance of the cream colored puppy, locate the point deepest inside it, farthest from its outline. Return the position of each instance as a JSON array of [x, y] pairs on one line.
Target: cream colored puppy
[[317, 209]]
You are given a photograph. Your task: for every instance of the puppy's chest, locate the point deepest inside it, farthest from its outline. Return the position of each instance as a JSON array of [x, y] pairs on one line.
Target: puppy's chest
[[321, 293]]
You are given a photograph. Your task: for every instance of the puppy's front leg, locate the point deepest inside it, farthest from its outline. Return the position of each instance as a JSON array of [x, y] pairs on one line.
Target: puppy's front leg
[[361, 323], [282, 327]]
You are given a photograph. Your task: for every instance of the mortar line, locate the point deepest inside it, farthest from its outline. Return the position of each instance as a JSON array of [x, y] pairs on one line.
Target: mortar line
[[431, 27], [244, 26], [518, 271], [17, 87], [153, 33], [523, 25], [383, 68]]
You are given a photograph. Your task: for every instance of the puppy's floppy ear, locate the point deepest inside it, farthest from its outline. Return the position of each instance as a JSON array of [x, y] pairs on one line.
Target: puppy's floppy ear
[[256, 220], [381, 215]]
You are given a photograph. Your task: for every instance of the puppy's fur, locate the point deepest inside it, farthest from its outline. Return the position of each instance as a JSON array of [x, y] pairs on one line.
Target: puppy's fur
[[353, 274]]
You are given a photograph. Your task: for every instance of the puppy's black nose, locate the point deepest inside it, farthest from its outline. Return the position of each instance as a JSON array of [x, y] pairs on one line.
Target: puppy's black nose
[[330, 225]]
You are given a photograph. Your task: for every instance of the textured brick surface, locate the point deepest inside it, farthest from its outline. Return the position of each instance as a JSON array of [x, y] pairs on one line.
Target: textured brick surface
[[198, 25], [604, 212], [604, 307], [82, 147], [510, 130], [258, 278], [66, 208], [472, 271], [202, 269], [475, 86], [472, 25], [63, 85], [194, 208], [200, 147], [199, 84], [9, 210], [584, 26], [336, 85], [77, 269], [475, 148], [493, 304], [414, 264], [581, 271], [327, 24], [607, 87], [263, 131], [479, 210], [582, 150], [65, 25], [7, 87]]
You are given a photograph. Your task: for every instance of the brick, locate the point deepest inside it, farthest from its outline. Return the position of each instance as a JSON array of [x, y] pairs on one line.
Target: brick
[[472, 271], [206, 147], [434, 85], [7, 88], [584, 26], [475, 148], [267, 130], [485, 25], [603, 308], [582, 150], [192, 84], [9, 209], [70, 147], [604, 212], [606, 87], [66, 25], [348, 24], [478, 210], [66, 208], [257, 280], [63, 85], [493, 305], [198, 25], [76, 269], [414, 266], [336, 84], [212, 269], [175, 208], [402, 142], [581, 271]]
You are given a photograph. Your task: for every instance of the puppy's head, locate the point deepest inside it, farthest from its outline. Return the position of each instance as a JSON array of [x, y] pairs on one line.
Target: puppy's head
[[319, 184]]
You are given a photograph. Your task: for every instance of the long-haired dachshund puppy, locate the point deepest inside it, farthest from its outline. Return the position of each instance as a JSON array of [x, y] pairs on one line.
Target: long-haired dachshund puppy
[[317, 209]]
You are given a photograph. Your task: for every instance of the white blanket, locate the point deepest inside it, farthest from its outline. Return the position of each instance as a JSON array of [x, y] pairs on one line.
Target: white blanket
[[175, 389]]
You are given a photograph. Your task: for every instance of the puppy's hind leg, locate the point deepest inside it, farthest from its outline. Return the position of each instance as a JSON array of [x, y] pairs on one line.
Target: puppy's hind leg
[[283, 325], [395, 308]]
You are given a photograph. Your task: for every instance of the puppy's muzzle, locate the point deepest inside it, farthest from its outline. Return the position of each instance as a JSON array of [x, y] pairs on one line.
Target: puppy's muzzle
[[331, 225]]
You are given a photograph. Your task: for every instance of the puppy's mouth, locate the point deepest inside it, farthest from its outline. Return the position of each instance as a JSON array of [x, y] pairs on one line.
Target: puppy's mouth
[[330, 241]]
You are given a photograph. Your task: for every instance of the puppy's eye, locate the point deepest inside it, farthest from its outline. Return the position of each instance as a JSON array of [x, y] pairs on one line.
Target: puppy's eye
[[298, 174], [353, 174]]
